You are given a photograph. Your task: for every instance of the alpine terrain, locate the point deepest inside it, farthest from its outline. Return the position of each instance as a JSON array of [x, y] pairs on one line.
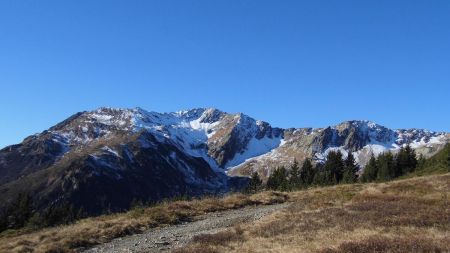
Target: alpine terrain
[[104, 160]]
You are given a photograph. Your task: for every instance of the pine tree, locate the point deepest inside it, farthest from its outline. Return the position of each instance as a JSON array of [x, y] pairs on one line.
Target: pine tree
[[255, 183], [421, 162], [386, 167], [307, 172], [406, 161], [370, 171], [448, 161], [278, 180], [412, 158], [447, 156], [334, 167], [295, 181], [321, 177], [20, 211], [350, 169], [401, 160]]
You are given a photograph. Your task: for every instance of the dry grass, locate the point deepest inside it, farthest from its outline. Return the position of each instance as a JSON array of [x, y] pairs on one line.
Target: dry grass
[[92, 231], [410, 215], [385, 244]]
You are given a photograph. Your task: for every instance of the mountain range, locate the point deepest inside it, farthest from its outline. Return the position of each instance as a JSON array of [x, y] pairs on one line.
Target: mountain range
[[107, 158]]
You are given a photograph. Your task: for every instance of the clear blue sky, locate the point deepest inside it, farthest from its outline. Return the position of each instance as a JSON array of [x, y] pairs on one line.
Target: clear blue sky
[[291, 63]]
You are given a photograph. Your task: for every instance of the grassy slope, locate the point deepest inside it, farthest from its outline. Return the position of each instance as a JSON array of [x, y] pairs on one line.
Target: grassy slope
[[410, 215], [406, 215], [434, 165], [92, 231]]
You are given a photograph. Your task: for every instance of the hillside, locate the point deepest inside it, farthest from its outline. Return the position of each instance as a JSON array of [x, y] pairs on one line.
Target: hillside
[[411, 215], [101, 161], [400, 216]]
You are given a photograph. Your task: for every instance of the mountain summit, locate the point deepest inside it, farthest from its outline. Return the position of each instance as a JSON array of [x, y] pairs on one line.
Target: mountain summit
[[103, 159]]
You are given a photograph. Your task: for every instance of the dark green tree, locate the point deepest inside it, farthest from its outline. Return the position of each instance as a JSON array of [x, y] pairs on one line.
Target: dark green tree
[[322, 177], [401, 160], [255, 183], [350, 169], [386, 166], [448, 161], [20, 211], [295, 181], [61, 214], [412, 159], [421, 162], [406, 161], [307, 172], [278, 180], [370, 172], [334, 167]]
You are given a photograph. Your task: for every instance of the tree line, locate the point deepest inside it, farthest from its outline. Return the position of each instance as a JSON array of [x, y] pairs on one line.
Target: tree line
[[21, 213], [388, 166], [336, 170]]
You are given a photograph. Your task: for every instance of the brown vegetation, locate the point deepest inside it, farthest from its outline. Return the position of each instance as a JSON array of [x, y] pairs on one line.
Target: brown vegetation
[[411, 215], [403, 216], [92, 231]]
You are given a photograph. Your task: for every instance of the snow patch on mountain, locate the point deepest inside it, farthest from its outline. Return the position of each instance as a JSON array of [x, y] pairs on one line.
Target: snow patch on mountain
[[255, 147], [193, 131]]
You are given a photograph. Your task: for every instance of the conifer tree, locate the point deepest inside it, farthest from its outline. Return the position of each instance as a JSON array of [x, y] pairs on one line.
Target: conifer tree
[[386, 167], [255, 183], [350, 169], [421, 162], [334, 167], [448, 161], [20, 211], [320, 178], [412, 158], [370, 171], [307, 172], [447, 156], [295, 181], [406, 161], [401, 160], [278, 180]]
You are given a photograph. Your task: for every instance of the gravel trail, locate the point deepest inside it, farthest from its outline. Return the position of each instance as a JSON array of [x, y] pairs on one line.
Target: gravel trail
[[170, 237]]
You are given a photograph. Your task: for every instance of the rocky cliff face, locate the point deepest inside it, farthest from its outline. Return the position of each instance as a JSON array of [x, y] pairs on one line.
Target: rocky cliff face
[[103, 159], [362, 138]]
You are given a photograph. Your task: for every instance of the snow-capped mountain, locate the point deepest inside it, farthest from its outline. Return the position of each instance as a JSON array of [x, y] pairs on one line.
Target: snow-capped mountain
[[219, 138], [361, 138], [108, 157]]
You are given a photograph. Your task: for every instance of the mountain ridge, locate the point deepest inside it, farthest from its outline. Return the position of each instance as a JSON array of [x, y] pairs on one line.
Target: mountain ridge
[[123, 154]]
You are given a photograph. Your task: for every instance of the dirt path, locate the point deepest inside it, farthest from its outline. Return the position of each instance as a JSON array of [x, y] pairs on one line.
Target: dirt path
[[167, 238]]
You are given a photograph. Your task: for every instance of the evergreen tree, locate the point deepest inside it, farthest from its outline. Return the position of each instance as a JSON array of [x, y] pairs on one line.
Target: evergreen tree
[[278, 180], [401, 160], [3, 220], [20, 211], [448, 161], [334, 167], [307, 172], [255, 183], [295, 181], [17, 213], [61, 214], [320, 178], [370, 171], [421, 162], [386, 167], [350, 170], [406, 161], [412, 159]]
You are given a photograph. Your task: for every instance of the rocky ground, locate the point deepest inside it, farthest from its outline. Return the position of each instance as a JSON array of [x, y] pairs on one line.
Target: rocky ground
[[171, 237]]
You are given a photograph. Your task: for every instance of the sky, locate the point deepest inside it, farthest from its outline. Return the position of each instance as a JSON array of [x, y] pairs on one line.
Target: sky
[[290, 63]]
